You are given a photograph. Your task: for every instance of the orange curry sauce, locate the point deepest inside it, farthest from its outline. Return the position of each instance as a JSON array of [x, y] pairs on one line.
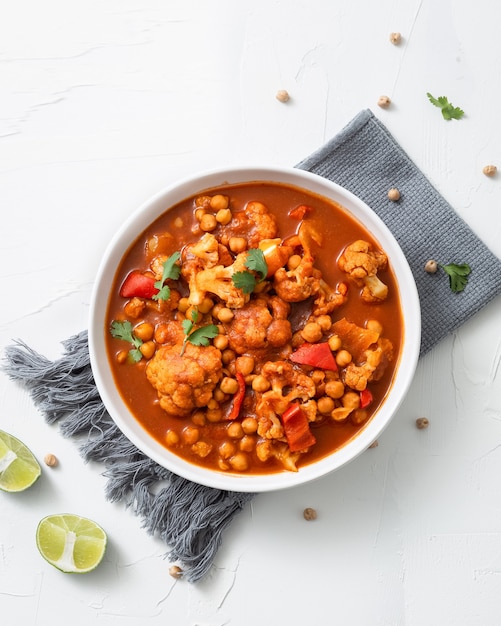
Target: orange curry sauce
[[333, 230]]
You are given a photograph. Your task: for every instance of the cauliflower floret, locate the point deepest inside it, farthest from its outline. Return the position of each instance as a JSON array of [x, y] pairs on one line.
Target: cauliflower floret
[[298, 284], [283, 377], [358, 376], [218, 281], [255, 223], [327, 299], [362, 263], [259, 324], [185, 382]]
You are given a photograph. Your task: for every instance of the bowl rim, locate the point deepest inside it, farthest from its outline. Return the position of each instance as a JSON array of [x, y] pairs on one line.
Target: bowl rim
[[160, 202]]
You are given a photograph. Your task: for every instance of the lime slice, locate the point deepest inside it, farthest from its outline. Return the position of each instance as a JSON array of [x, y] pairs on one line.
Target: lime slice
[[71, 543], [18, 467]]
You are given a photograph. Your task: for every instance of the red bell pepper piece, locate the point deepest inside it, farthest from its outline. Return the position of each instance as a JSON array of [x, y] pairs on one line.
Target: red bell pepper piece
[[300, 211], [238, 398], [315, 354], [365, 398], [138, 285], [297, 429]]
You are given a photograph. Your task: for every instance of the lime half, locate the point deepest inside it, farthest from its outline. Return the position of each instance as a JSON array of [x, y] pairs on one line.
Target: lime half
[[71, 543], [18, 467]]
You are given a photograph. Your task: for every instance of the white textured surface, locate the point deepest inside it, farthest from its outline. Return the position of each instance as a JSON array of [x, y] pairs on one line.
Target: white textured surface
[[102, 103]]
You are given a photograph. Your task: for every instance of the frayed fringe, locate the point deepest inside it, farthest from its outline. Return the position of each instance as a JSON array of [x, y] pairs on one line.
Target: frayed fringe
[[190, 518]]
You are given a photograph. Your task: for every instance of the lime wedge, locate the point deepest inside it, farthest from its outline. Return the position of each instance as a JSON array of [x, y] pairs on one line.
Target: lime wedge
[[71, 543], [18, 467]]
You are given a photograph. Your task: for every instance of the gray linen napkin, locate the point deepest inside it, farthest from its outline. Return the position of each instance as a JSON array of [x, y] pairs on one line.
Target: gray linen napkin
[[190, 518], [365, 159]]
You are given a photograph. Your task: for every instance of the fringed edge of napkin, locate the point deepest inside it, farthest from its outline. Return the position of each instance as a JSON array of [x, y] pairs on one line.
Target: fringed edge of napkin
[[188, 517]]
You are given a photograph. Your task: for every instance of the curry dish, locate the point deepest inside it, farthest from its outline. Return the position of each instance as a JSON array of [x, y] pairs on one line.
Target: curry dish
[[254, 328]]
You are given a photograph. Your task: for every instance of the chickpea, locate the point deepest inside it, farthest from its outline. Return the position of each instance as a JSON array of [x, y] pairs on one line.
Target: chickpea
[[171, 437], [214, 415], [191, 313], [122, 356], [237, 244], [223, 465], [249, 425], [235, 430], [213, 403], [225, 315], [178, 222], [208, 223], [282, 95], [311, 332], [431, 266], [422, 423], [325, 322], [245, 365], [247, 443], [205, 306], [309, 514], [375, 326], [334, 389], [343, 357], [175, 571], [198, 418], [199, 213], [203, 201], [183, 305], [219, 396], [226, 449], [260, 384], [325, 405], [190, 434], [223, 216], [351, 400], [220, 342], [318, 377], [201, 449], [335, 343], [148, 349], [228, 356], [359, 416], [144, 331], [384, 102], [219, 201], [229, 385], [293, 262], [394, 194], [239, 462]]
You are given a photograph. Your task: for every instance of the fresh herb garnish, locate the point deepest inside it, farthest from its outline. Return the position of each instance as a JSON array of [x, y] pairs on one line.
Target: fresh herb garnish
[[458, 275], [123, 330], [449, 112], [172, 271], [200, 336], [255, 262]]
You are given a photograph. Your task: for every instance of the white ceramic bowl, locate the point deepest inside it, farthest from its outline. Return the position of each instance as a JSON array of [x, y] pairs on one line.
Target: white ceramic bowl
[[170, 196]]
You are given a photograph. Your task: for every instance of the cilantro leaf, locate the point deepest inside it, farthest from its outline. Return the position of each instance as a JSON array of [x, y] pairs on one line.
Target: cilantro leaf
[[256, 262], [123, 330], [170, 270], [458, 275], [246, 281], [200, 336], [449, 112]]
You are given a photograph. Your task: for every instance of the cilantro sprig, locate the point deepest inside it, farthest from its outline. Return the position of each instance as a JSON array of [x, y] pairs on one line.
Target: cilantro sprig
[[458, 275], [256, 263], [449, 112], [172, 271], [123, 330], [199, 336]]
